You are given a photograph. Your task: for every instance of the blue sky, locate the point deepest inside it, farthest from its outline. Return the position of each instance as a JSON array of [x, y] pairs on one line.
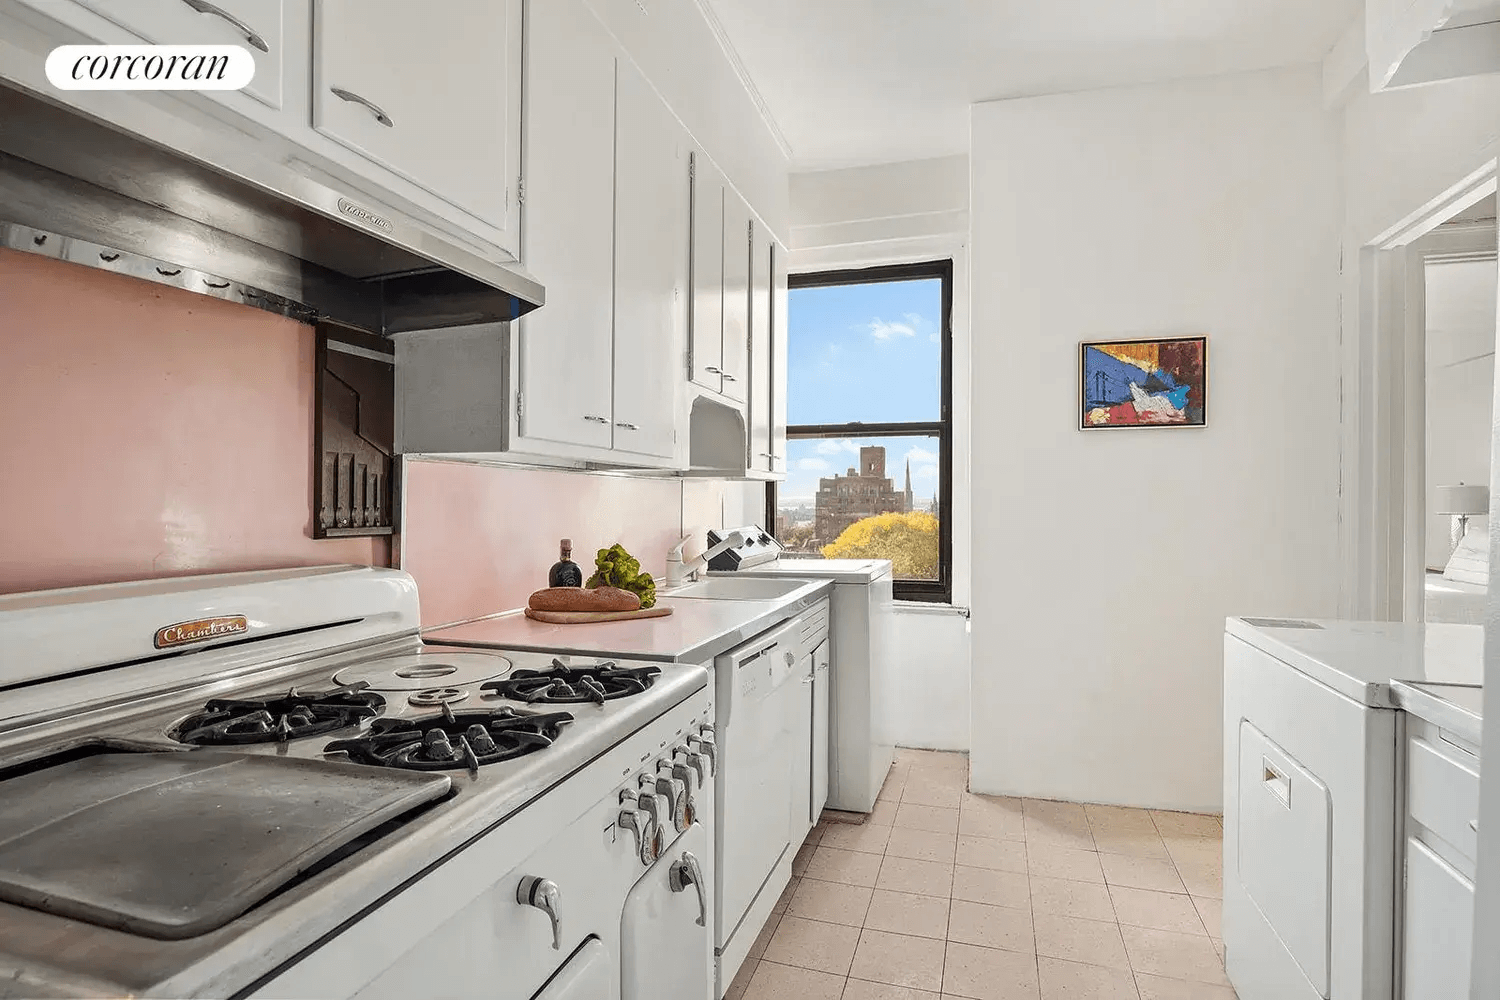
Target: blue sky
[[863, 352]]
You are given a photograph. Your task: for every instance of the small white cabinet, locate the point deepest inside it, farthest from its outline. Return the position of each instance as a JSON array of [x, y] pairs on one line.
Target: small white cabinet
[[735, 353], [758, 456], [565, 348], [820, 687], [255, 25], [707, 323], [1437, 920], [430, 93], [650, 266]]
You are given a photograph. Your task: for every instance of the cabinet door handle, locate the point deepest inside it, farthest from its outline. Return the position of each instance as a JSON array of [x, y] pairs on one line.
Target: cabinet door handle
[[352, 97], [627, 425], [687, 873], [712, 370], [728, 377], [597, 420], [204, 7], [1474, 825]]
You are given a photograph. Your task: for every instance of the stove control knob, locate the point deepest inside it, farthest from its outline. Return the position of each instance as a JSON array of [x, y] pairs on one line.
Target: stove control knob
[[693, 763], [691, 777], [674, 792], [790, 657], [704, 744], [637, 817], [652, 848], [543, 894]]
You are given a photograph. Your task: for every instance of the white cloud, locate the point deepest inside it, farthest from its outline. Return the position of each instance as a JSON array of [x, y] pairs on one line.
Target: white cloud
[[924, 472], [812, 464], [914, 319], [922, 456], [828, 447], [882, 330]]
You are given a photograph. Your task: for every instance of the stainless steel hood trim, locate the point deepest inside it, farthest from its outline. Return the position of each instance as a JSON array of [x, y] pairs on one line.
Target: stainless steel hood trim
[[282, 240]]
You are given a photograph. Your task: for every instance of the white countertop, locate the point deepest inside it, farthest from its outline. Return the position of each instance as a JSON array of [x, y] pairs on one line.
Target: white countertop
[[1458, 708], [696, 631], [837, 570], [1361, 659]]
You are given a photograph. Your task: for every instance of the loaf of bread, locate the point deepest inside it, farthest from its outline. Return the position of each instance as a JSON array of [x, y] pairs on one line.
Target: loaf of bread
[[582, 599]]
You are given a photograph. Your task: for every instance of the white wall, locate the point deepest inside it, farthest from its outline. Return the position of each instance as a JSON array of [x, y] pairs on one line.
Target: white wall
[[1460, 386], [1112, 558], [895, 213]]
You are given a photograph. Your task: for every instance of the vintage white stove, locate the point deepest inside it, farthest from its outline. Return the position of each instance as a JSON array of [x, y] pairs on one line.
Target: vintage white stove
[[264, 785]]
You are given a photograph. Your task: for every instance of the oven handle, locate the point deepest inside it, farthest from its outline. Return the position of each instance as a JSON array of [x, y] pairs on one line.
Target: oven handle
[[687, 872]]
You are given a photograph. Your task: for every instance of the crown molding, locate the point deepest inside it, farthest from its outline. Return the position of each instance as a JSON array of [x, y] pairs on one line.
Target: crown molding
[[705, 7]]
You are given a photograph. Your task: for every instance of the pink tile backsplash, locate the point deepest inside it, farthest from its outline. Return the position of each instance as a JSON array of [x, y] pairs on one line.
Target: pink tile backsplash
[[479, 539], [148, 432]]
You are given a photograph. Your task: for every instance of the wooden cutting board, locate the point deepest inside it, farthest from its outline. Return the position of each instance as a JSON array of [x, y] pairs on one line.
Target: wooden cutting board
[[587, 617]]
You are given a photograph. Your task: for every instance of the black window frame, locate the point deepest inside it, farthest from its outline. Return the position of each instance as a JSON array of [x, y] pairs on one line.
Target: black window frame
[[939, 591]]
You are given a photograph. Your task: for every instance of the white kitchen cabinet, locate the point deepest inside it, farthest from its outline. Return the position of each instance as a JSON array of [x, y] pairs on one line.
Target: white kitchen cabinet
[[821, 679], [431, 93], [1439, 927], [255, 25], [565, 362], [735, 355], [650, 266], [779, 302], [707, 317], [758, 409], [800, 736]]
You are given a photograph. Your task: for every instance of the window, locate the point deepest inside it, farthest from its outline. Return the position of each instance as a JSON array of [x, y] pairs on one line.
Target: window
[[869, 423]]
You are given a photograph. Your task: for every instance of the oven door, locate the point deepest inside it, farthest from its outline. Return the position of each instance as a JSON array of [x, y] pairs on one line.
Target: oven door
[[589, 975], [666, 952]]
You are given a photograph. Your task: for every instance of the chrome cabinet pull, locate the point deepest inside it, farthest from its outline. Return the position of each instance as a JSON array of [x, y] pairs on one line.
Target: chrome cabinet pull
[[353, 98], [627, 425], [204, 7], [728, 377], [596, 420], [687, 873], [543, 894], [712, 370]]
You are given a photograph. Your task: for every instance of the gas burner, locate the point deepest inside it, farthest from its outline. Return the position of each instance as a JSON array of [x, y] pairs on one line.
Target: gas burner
[[432, 697], [449, 742], [565, 685], [232, 722], [433, 667]]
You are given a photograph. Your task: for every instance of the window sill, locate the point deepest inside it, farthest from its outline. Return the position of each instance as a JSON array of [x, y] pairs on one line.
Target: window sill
[[929, 608]]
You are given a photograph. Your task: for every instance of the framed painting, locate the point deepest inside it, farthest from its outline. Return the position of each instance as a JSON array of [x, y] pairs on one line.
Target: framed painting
[[1143, 383]]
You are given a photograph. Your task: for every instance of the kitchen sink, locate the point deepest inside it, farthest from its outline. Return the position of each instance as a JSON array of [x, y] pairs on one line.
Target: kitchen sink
[[737, 588]]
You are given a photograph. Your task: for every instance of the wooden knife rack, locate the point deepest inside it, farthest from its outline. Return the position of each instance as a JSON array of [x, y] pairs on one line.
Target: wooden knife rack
[[355, 487]]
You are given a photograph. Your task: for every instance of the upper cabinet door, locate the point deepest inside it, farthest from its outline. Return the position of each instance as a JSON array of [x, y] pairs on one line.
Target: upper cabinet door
[[707, 323], [566, 366], [779, 298], [736, 361], [651, 266], [759, 457], [254, 25], [430, 92]]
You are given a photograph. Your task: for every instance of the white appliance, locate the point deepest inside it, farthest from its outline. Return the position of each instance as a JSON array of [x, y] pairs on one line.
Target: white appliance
[[766, 730], [264, 784], [861, 654], [1312, 738]]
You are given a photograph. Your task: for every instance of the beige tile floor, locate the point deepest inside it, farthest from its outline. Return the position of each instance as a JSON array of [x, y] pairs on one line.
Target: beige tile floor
[[945, 894]]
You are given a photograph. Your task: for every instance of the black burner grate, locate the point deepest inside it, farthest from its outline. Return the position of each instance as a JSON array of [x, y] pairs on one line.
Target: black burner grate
[[453, 740], [562, 685], [235, 722]]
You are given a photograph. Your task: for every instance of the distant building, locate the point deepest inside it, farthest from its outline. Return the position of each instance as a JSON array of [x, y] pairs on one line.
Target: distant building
[[862, 493]]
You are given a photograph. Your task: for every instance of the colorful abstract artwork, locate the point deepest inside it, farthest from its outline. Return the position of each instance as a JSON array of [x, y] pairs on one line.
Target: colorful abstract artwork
[[1144, 383]]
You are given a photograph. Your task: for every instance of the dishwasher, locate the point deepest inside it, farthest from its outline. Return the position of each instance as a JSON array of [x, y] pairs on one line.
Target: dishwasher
[[762, 734]]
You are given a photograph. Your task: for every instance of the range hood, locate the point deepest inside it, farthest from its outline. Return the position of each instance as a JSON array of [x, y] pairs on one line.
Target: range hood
[[77, 189]]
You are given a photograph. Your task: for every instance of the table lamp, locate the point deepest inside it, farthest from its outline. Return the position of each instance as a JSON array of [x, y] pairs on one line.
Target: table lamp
[[1461, 502]]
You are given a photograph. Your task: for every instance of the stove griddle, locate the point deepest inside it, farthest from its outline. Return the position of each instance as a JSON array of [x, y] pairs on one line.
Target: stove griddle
[[173, 845]]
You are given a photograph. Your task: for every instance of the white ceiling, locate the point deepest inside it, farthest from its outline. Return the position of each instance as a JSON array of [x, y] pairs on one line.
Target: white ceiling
[[853, 82]]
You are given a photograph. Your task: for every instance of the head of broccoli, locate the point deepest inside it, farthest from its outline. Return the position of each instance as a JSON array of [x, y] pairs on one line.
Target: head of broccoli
[[614, 567]]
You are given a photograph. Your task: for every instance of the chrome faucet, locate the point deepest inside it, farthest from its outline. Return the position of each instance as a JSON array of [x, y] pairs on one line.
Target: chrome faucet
[[680, 571]]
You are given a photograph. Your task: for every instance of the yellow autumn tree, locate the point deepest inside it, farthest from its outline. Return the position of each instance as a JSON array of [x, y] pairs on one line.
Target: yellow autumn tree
[[909, 541]]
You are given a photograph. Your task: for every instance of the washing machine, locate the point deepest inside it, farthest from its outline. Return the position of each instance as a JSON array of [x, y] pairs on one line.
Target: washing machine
[[1312, 791]]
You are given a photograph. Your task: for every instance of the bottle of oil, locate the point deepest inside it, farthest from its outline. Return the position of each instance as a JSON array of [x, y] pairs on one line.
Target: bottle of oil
[[566, 572]]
